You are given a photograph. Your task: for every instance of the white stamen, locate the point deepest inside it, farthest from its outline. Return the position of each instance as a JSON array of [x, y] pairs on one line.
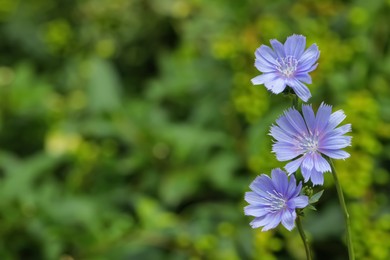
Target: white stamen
[[276, 201], [309, 143], [287, 66]]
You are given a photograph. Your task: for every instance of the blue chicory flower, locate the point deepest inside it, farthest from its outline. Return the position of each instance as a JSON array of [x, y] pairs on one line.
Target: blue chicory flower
[[286, 65], [305, 139], [274, 200]]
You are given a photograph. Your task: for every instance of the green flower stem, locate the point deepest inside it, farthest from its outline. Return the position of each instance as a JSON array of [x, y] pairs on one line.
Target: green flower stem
[[295, 100], [345, 212], [303, 236]]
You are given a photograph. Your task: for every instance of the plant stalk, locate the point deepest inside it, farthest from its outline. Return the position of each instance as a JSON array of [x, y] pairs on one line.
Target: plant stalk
[[295, 101], [303, 236], [345, 211]]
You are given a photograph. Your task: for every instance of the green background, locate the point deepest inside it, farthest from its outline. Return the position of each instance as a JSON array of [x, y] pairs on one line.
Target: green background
[[130, 129]]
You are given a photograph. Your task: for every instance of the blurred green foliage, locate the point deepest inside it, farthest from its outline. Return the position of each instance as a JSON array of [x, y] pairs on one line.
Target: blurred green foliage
[[130, 129]]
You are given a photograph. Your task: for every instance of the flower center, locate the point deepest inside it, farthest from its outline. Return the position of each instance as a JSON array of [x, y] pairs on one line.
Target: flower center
[[309, 143], [276, 202], [287, 66]]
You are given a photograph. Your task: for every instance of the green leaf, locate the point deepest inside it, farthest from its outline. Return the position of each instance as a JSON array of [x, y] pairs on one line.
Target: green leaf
[[311, 207], [316, 197], [104, 88], [179, 185]]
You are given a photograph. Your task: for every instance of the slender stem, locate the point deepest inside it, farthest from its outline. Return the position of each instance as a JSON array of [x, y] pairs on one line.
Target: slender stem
[[303, 236], [295, 100], [345, 212]]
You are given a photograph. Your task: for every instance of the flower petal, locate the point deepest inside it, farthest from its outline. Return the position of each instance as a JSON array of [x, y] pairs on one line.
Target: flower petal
[[321, 164], [280, 180], [272, 63], [299, 202], [292, 190], [295, 46], [293, 166], [309, 57], [278, 47], [337, 132], [288, 219], [266, 53], [335, 154], [307, 69], [336, 142], [261, 221], [304, 77], [264, 66], [286, 126], [253, 198], [317, 178], [276, 86], [263, 78], [279, 134], [261, 185], [310, 69], [295, 119], [335, 119], [255, 210], [274, 221], [300, 89], [306, 173], [322, 117], [285, 151], [308, 162], [309, 116]]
